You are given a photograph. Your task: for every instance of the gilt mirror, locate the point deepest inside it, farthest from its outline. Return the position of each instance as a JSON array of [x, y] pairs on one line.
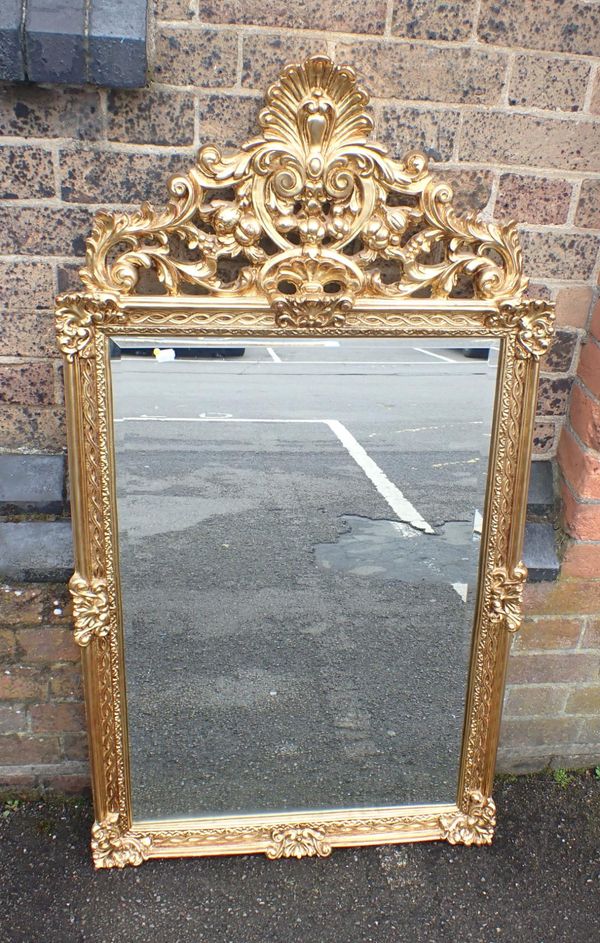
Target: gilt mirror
[[300, 404]]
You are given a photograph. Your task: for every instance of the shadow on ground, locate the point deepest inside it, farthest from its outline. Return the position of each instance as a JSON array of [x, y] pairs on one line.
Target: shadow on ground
[[540, 881]]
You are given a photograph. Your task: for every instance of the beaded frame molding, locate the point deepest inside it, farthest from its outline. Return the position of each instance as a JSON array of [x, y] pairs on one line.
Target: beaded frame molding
[[310, 229]]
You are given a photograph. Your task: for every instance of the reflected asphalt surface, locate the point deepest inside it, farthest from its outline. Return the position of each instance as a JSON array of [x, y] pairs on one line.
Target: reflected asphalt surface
[[294, 563]]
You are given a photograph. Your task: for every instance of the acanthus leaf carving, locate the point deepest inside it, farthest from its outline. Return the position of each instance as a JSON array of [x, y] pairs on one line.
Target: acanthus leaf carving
[[114, 848], [298, 842], [534, 322], [507, 596], [77, 315], [473, 826], [311, 182], [91, 611]]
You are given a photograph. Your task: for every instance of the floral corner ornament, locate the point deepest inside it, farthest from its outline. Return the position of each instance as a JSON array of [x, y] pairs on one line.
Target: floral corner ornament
[[298, 843], [475, 825], [112, 848]]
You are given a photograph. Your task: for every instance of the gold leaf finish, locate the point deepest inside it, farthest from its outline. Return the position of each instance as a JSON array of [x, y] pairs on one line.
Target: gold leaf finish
[[475, 826], [507, 596], [310, 189], [113, 848], [534, 321], [76, 317], [91, 614], [298, 843]]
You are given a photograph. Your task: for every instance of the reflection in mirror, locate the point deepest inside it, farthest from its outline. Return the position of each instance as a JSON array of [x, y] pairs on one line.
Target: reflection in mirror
[[299, 531]]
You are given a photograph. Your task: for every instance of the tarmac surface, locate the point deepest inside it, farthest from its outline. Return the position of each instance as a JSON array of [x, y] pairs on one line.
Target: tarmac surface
[[298, 566], [539, 882]]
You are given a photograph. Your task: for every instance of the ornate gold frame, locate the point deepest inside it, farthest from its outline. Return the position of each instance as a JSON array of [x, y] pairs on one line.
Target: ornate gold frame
[[319, 217]]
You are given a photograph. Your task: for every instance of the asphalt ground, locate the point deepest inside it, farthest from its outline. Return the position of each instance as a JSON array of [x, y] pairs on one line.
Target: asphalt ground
[[539, 882], [296, 545]]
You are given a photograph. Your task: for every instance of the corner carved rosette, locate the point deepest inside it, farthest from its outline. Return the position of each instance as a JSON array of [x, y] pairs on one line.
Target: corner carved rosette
[[475, 825], [91, 612], [298, 843], [77, 315], [507, 596], [113, 848], [534, 321]]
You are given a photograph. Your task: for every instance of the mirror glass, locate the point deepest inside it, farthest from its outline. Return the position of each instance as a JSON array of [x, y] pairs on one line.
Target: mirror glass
[[299, 530]]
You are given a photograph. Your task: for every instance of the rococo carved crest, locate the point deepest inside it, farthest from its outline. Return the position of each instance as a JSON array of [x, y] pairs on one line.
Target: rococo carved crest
[[313, 215]]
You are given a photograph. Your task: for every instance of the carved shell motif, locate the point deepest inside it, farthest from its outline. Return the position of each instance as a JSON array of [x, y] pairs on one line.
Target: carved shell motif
[[314, 211]]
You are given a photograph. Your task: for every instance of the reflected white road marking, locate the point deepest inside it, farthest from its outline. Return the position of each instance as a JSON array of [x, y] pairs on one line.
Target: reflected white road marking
[[274, 355], [422, 350]]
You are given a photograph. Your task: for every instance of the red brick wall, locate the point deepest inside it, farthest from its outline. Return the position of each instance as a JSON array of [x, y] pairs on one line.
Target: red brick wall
[[504, 96]]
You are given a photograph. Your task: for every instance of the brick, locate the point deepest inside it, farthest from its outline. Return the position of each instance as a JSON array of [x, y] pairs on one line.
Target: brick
[[31, 111], [559, 255], [70, 783], [13, 718], [57, 718], [264, 55], [567, 26], [581, 468], [403, 129], [548, 634], [47, 644], [26, 333], [426, 73], [584, 416], [541, 200], [595, 101], [539, 732], [97, 176], [590, 733], [26, 284], [553, 396], [19, 683], [75, 746], [20, 750], [12, 65], [32, 483], [36, 551], [55, 41], [544, 438], [530, 700], [353, 16], [581, 520], [40, 428], [581, 560], [26, 173], [440, 19], [45, 230], [151, 116], [573, 306], [588, 208], [497, 137], [117, 44], [7, 643], [471, 188], [568, 597], [205, 57], [27, 383], [175, 9], [589, 366], [559, 358], [228, 120], [547, 82], [21, 605], [595, 321], [591, 635], [584, 700], [65, 682], [553, 668]]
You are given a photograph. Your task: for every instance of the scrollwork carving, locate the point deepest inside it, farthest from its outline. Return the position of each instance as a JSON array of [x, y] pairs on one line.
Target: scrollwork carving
[[507, 596], [475, 825], [114, 848], [298, 843], [76, 316], [311, 184], [91, 612]]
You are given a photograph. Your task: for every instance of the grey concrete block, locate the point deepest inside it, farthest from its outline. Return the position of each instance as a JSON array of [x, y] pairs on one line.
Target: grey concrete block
[[12, 67], [36, 551], [117, 43], [540, 499], [55, 41], [32, 483], [539, 552]]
